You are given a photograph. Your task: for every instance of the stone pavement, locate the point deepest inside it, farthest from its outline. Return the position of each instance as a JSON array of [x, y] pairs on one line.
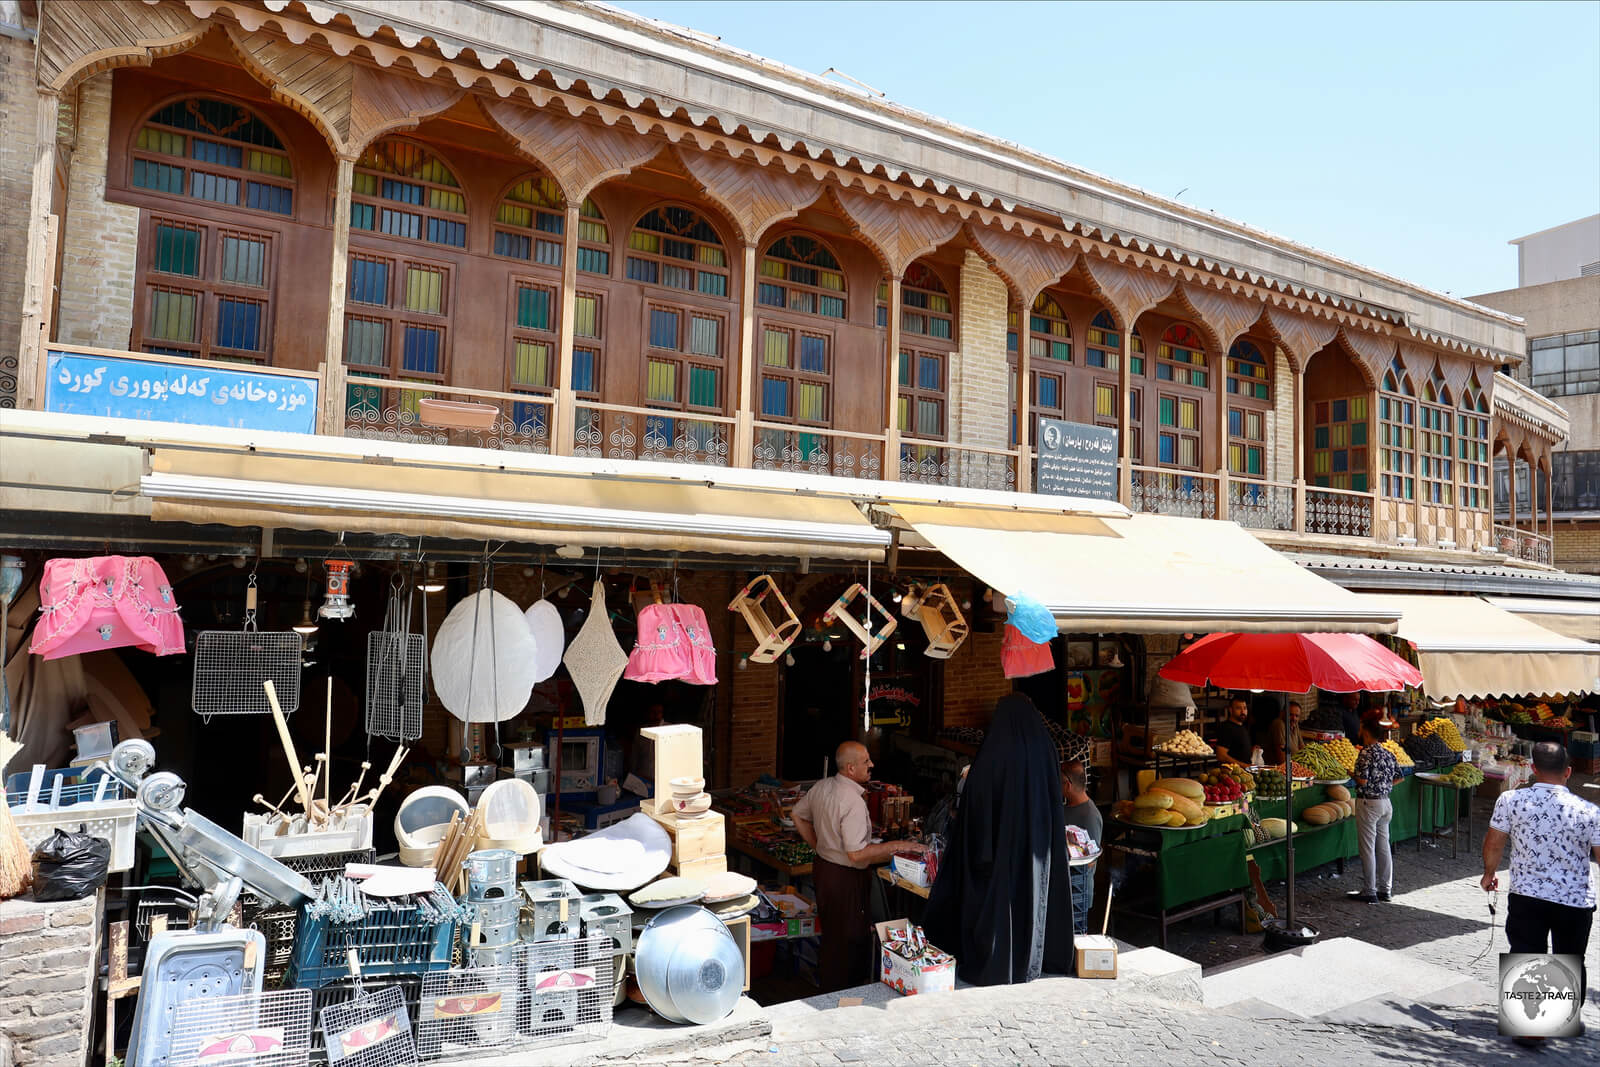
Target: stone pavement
[[1439, 917]]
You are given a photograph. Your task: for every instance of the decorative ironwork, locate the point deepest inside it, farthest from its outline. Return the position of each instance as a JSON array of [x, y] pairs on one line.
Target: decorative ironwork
[[1186, 495], [1261, 505], [1522, 544], [816, 452], [938, 465], [379, 414], [667, 439], [1338, 514]]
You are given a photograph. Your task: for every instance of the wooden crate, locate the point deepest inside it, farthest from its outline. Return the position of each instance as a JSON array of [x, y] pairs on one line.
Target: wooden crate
[[704, 867], [740, 929], [677, 755], [694, 839]]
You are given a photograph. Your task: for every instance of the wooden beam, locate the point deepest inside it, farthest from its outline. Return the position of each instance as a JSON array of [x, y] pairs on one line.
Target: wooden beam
[[564, 426], [745, 364], [891, 447], [338, 271], [1124, 413], [38, 279]]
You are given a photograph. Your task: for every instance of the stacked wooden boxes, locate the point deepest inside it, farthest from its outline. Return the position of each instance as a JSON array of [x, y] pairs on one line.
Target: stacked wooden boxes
[[699, 843]]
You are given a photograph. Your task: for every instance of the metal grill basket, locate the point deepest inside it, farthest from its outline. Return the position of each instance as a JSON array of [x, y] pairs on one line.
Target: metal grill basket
[[260, 1029], [469, 1010], [373, 1030]]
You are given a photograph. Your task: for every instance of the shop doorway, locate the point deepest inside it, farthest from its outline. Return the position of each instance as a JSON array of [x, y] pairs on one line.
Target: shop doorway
[[819, 699]]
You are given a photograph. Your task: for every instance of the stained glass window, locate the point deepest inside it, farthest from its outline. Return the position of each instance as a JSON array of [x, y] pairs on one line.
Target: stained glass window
[[675, 247], [1472, 443], [398, 322], [1436, 441], [1397, 429], [800, 274], [1339, 448], [925, 305], [217, 151], [923, 391], [1103, 344], [206, 291], [401, 189], [1181, 357], [1247, 372]]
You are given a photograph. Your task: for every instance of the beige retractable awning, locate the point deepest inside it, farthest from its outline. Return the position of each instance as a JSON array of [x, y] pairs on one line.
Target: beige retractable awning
[[1578, 619], [1145, 573], [1469, 648], [246, 488]]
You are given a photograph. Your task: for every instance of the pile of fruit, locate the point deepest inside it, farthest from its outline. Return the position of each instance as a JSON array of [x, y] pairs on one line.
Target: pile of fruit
[[1269, 780], [1222, 787], [1246, 781], [1343, 751], [1323, 762], [1169, 802], [1444, 730], [1401, 757], [1271, 829], [1428, 749], [1465, 776], [1185, 743], [1337, 806]]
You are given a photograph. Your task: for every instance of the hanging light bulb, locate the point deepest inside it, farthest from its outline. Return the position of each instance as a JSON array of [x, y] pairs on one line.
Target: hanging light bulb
[[788, 661], [744, 661], [827, 644], [307, 625], [300, 566], [431, 582], [897, 596]]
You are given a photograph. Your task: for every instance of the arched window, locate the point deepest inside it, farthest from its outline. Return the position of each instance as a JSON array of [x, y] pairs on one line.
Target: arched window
[[1103, 345], [1181, 357], [205, 275], [1136, 354], [1397, 422], [1248, 396], [925, 306], [927, 334], [402, 190], [1472, 435], [398, 303], [530, 221], [1049, 349], [216, 151], [1436, 441], [677, 248], [800, 274], [686, 340]]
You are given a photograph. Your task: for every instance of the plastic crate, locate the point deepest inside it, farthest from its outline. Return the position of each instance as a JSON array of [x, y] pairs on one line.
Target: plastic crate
[[392, 939], [78, 785], [115, 821], [278, 923]]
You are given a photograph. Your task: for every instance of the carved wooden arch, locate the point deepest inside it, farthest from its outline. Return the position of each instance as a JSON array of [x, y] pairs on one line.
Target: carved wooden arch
[[1127, 292], [578, 155], [755, 198], [1224, 317], [1028, 267], [1372, 352], [1300, 336], [77, 41], [899, 234], [353, 105]]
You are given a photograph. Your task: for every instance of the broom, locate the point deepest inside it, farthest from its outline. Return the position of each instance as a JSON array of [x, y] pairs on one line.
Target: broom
[[16, 858]]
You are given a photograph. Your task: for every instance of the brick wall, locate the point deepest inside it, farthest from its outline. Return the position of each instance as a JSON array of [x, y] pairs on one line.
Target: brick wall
[[973, 681], [1280, 426], [17, 109], [100, 240], [52, 954], [1577, 546], [979, 376]]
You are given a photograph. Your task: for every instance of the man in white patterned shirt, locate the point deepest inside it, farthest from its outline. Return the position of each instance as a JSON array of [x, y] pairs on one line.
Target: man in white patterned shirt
[[1554, 834]]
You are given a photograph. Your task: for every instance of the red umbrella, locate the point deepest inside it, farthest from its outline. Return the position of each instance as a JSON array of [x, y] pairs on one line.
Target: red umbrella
[[1292, 663]]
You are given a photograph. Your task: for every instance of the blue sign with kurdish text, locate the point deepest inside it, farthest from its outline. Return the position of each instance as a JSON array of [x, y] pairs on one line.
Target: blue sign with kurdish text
[[132, 388]]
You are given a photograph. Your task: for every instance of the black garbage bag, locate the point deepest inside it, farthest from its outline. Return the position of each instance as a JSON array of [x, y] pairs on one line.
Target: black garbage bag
[[69, 866]]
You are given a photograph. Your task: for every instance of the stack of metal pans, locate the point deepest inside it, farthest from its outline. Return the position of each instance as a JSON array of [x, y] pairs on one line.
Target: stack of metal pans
[[689, 967]]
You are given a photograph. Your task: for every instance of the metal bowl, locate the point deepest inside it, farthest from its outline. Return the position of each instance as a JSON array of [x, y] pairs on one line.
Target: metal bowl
[[688, 965]]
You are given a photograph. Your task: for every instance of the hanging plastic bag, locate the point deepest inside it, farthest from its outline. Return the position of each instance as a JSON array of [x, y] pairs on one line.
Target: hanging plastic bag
[[69, 866]]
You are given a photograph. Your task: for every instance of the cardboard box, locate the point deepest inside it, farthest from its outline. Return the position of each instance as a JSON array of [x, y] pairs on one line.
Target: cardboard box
[[934, 973], [694, 839], [740, 929], [1097, 956], [704, 867], [799, 914], [677, 755]]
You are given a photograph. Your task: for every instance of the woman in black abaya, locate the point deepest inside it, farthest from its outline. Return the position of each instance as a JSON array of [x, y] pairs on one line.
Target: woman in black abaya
[[1002, 904]]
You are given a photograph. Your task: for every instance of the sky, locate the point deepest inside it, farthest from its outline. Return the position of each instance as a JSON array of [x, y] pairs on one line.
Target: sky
[[1415, 139]]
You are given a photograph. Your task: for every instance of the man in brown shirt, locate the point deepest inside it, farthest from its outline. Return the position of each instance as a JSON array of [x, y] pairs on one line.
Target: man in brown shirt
[[833, 819]]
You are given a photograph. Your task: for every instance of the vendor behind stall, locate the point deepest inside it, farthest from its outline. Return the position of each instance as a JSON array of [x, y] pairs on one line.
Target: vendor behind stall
[[1232, 743], [833, 819], [1283, 735]]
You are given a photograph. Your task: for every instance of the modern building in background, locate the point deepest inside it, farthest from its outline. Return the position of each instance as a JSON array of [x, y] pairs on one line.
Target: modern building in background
[[1558, 295]]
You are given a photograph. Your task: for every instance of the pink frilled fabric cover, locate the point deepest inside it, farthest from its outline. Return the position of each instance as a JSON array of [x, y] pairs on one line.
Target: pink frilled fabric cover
[[674, 644], [1020, 657], [106, 602]]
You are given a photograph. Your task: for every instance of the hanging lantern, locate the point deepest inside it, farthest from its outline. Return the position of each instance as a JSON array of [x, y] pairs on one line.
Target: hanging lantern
[[336, 592]]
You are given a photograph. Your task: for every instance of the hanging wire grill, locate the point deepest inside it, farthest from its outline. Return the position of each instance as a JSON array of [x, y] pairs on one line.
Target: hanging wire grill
[[395, 662], [373, 1030], [568, 991], [230, 665], [468, 1010], [261, 1029]]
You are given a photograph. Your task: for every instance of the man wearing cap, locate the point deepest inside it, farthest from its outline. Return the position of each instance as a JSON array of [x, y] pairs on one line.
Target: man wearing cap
[[1376, 773], [833, 819]]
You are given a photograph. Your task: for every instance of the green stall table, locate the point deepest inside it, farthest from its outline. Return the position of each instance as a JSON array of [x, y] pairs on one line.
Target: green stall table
[[1197, 870], [1313, 845]]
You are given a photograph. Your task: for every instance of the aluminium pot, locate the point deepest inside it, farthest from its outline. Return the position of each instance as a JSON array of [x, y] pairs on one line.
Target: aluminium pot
[[491, 867], [689, 967]]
